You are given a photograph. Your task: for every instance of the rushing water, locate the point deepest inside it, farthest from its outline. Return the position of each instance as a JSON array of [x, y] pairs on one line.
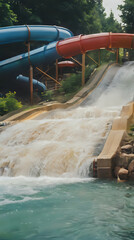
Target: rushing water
[[45, 188]]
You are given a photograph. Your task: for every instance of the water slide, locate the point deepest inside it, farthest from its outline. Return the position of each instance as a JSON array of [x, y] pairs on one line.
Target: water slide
[[56, 48], [11, 68], [83, 43]]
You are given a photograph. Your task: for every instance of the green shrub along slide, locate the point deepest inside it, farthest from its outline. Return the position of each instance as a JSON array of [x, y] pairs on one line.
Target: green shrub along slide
[[9, 103]]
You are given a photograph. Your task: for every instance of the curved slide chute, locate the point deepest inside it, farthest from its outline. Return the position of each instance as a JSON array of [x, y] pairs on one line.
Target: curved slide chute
[[25, 33], [83, 43], [71, 46], [20, 64], [12, 67], [39, 86]]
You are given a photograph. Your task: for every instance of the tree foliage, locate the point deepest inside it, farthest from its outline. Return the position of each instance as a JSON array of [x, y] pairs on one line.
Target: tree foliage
[[112, 24], [7, 16], [73, 83], [80, 16], [127, 15]]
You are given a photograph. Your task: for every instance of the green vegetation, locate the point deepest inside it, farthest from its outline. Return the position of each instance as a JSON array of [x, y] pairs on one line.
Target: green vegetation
[[69, 87], [73, 83], [112, 24], [47, 96], [127, 15], [131, 131], [9, 103], [132, 128], [80, 16], [7, 16]]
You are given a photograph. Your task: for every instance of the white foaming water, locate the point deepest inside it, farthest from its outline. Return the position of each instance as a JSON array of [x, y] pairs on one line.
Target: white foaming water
[[60, 145], [63, 144], [120, 91], [22, 189]]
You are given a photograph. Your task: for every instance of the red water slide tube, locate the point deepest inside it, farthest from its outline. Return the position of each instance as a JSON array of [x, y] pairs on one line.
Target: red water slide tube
[[83, 43], [67, 64]]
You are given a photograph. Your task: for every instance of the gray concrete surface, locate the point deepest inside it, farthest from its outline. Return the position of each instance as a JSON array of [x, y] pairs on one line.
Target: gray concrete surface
[[102, 86]]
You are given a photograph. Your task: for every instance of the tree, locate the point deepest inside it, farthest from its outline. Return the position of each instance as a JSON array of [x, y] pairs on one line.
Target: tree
[[7, 16], [93, 22], [127, 15], [112, 24], [67, 13], [23, 10], [80, 16]]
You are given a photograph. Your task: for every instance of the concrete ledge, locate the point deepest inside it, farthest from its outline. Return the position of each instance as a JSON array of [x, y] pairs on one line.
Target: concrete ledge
[[23, 115], [126, 116], [112, 143], [105, 161]]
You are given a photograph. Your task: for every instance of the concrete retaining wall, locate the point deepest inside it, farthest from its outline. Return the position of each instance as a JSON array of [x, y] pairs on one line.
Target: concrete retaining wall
[[106, 161]]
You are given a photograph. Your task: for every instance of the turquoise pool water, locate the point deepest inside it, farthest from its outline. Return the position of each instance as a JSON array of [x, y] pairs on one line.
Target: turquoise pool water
[[45, 208]]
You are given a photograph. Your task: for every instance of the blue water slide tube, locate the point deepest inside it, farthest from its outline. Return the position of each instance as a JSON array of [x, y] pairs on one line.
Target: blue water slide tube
[[25, 33], [40, 87], [12, 67]]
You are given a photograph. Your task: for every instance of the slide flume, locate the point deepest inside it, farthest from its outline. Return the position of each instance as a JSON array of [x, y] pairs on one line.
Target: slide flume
[[83, 43], [19, 64], [25, 33], [57, 47]]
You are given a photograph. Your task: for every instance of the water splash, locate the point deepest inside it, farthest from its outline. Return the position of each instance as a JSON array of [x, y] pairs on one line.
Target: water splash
[[55, 146], [63, 143], [121, 88]]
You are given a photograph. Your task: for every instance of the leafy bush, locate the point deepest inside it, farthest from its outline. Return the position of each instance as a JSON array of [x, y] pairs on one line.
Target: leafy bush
[[48, 95], [9, 103], [3, 108], [73, 83]]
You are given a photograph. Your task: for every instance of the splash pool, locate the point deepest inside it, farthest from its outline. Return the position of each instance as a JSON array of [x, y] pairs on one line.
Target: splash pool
[[50, 208]]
